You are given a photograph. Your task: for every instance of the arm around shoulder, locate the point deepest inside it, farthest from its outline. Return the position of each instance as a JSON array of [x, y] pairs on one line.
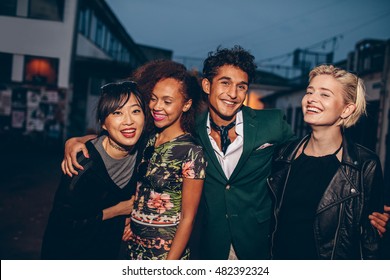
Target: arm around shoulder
[[373, 202], [73, 146]]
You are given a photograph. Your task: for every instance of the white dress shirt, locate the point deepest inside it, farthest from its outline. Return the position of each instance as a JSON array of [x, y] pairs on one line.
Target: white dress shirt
[[229, 160]]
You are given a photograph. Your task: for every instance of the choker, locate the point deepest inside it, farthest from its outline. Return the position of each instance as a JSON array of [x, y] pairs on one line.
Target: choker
[[116, 146]]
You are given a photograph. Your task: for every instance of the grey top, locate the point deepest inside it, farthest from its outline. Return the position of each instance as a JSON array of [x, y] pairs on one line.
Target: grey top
[[120, 170]]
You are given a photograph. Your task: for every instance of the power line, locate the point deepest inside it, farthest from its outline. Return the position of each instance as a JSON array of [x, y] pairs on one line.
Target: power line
[[332, 39], [276, 24]]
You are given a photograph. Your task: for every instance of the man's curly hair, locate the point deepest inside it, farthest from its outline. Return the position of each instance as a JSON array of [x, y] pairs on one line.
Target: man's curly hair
[[236, 56]]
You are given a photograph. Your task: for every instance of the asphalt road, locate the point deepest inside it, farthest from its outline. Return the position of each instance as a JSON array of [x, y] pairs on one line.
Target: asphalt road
[[29, 176]]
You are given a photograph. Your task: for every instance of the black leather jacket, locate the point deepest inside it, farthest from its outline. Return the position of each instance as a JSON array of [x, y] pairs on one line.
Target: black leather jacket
[[341, 227]]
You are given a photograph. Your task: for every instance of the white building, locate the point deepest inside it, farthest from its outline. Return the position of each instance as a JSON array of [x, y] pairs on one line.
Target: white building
[[54, 57]]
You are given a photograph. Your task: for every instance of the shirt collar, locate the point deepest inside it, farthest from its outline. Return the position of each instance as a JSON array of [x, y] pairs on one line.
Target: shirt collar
[[239, 123]]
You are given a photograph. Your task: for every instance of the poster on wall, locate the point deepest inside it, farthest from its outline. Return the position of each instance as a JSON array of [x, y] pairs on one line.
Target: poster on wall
[[19, 98], [18, 115], [35, 120], [33, 98], [33, 111], [50, 96], [18, 119], [5, 102]]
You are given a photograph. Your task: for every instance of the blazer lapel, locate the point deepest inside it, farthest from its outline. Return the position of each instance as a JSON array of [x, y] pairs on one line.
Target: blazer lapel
[[206, 144], [250, 131]]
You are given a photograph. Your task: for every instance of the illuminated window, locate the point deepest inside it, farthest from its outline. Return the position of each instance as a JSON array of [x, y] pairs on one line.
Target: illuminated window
[[42, 71]]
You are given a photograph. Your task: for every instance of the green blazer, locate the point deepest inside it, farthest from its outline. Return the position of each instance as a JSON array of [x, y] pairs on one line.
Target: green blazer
[[238, 211]]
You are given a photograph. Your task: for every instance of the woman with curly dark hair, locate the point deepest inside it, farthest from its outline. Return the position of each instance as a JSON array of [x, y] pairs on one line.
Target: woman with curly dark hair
[[173, 167], [148, 75]]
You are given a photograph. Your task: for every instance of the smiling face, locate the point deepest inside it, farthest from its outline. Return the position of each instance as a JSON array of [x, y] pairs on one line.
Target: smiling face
[[125, 124], [227, 92], [167, 104], [323, 103]]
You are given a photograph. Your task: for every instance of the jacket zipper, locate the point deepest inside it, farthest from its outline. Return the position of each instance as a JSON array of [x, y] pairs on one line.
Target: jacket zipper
[[337, 230], [360, 243], [277, 209]]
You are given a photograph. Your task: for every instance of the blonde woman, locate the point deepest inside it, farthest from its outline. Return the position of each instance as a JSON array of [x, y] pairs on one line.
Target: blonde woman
[[325, 186]]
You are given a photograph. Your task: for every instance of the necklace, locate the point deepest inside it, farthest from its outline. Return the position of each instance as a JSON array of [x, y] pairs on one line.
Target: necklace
[[335, 153], [116, 146]]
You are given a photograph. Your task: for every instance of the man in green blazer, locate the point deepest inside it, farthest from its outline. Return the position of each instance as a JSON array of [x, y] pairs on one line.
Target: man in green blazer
[[238, 142]]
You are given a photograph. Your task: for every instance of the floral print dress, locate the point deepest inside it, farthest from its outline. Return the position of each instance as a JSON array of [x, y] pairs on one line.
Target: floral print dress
[[157, 206]]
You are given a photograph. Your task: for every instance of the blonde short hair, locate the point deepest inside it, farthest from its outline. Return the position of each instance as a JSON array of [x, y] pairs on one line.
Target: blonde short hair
[[353, 87]]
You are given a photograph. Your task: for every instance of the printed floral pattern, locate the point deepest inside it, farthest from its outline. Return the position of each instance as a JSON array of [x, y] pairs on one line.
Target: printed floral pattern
[[188, 170], [157, 205], [160, 202]]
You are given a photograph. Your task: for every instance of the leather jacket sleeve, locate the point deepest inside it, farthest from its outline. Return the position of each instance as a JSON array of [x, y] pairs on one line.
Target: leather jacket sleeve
[[72, 208], [373, 187]]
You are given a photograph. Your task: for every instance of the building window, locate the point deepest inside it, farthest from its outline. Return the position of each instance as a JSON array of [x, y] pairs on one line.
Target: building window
[[6, 67], [41, 70], [85, 22], [125, 56], [99, 33], [118, 53], [47, 9], [8, 7], [107, 39], [113, 47]]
